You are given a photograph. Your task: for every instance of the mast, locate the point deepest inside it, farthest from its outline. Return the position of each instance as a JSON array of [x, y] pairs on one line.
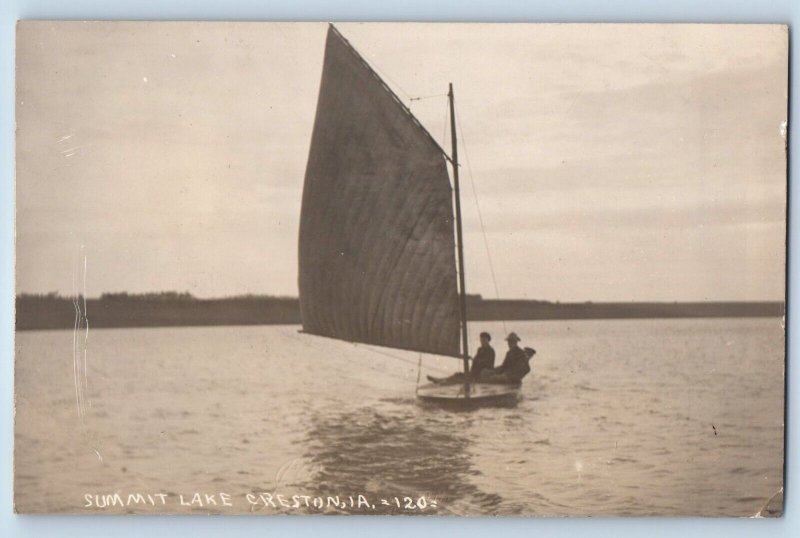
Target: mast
[[462, 291]]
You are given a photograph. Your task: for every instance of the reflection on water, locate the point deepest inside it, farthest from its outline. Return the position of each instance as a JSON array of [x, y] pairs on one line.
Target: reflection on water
[[404, 453]]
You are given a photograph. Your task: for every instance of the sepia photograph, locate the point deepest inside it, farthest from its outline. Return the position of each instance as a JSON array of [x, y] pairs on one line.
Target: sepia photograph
[[435, 269]]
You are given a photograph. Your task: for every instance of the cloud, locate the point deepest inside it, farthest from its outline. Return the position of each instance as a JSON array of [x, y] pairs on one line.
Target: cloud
[[597, 152]]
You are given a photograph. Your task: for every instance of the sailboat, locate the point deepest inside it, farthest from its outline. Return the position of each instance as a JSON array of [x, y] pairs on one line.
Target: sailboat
[[379, 262]]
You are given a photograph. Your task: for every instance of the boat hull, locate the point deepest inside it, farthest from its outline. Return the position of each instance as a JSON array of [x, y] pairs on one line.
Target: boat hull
[[479, 395]]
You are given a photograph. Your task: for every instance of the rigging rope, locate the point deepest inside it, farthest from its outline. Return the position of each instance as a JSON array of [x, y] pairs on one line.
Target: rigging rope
[[419, 371], [421, 97], [382, 371], [383, 74], [401, 359], [446, 116], [480, 215]]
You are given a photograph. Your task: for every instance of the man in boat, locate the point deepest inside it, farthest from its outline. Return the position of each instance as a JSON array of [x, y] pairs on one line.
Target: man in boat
[[484, 358], [482, 361], [515, 366]]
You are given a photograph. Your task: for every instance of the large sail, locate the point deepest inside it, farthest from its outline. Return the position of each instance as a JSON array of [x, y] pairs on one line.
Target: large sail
[[377, 262]]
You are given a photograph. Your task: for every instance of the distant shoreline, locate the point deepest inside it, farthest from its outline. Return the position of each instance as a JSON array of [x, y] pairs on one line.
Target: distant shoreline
[[40, 312]]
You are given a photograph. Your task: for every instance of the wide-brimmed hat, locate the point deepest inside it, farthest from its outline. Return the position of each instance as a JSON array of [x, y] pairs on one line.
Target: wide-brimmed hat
[[512, 337]]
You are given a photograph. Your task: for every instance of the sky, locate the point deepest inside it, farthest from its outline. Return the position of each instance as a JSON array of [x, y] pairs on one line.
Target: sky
[[609, 162]]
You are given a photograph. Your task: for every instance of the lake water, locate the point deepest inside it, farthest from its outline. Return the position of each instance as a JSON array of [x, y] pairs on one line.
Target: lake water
[[639, 417]]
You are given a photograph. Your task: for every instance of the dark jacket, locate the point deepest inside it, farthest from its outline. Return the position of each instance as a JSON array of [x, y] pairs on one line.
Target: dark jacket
[[515, 366], [484, 359]]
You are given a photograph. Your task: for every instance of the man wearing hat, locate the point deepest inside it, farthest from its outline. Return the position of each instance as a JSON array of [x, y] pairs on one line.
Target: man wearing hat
[[515, 365]]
